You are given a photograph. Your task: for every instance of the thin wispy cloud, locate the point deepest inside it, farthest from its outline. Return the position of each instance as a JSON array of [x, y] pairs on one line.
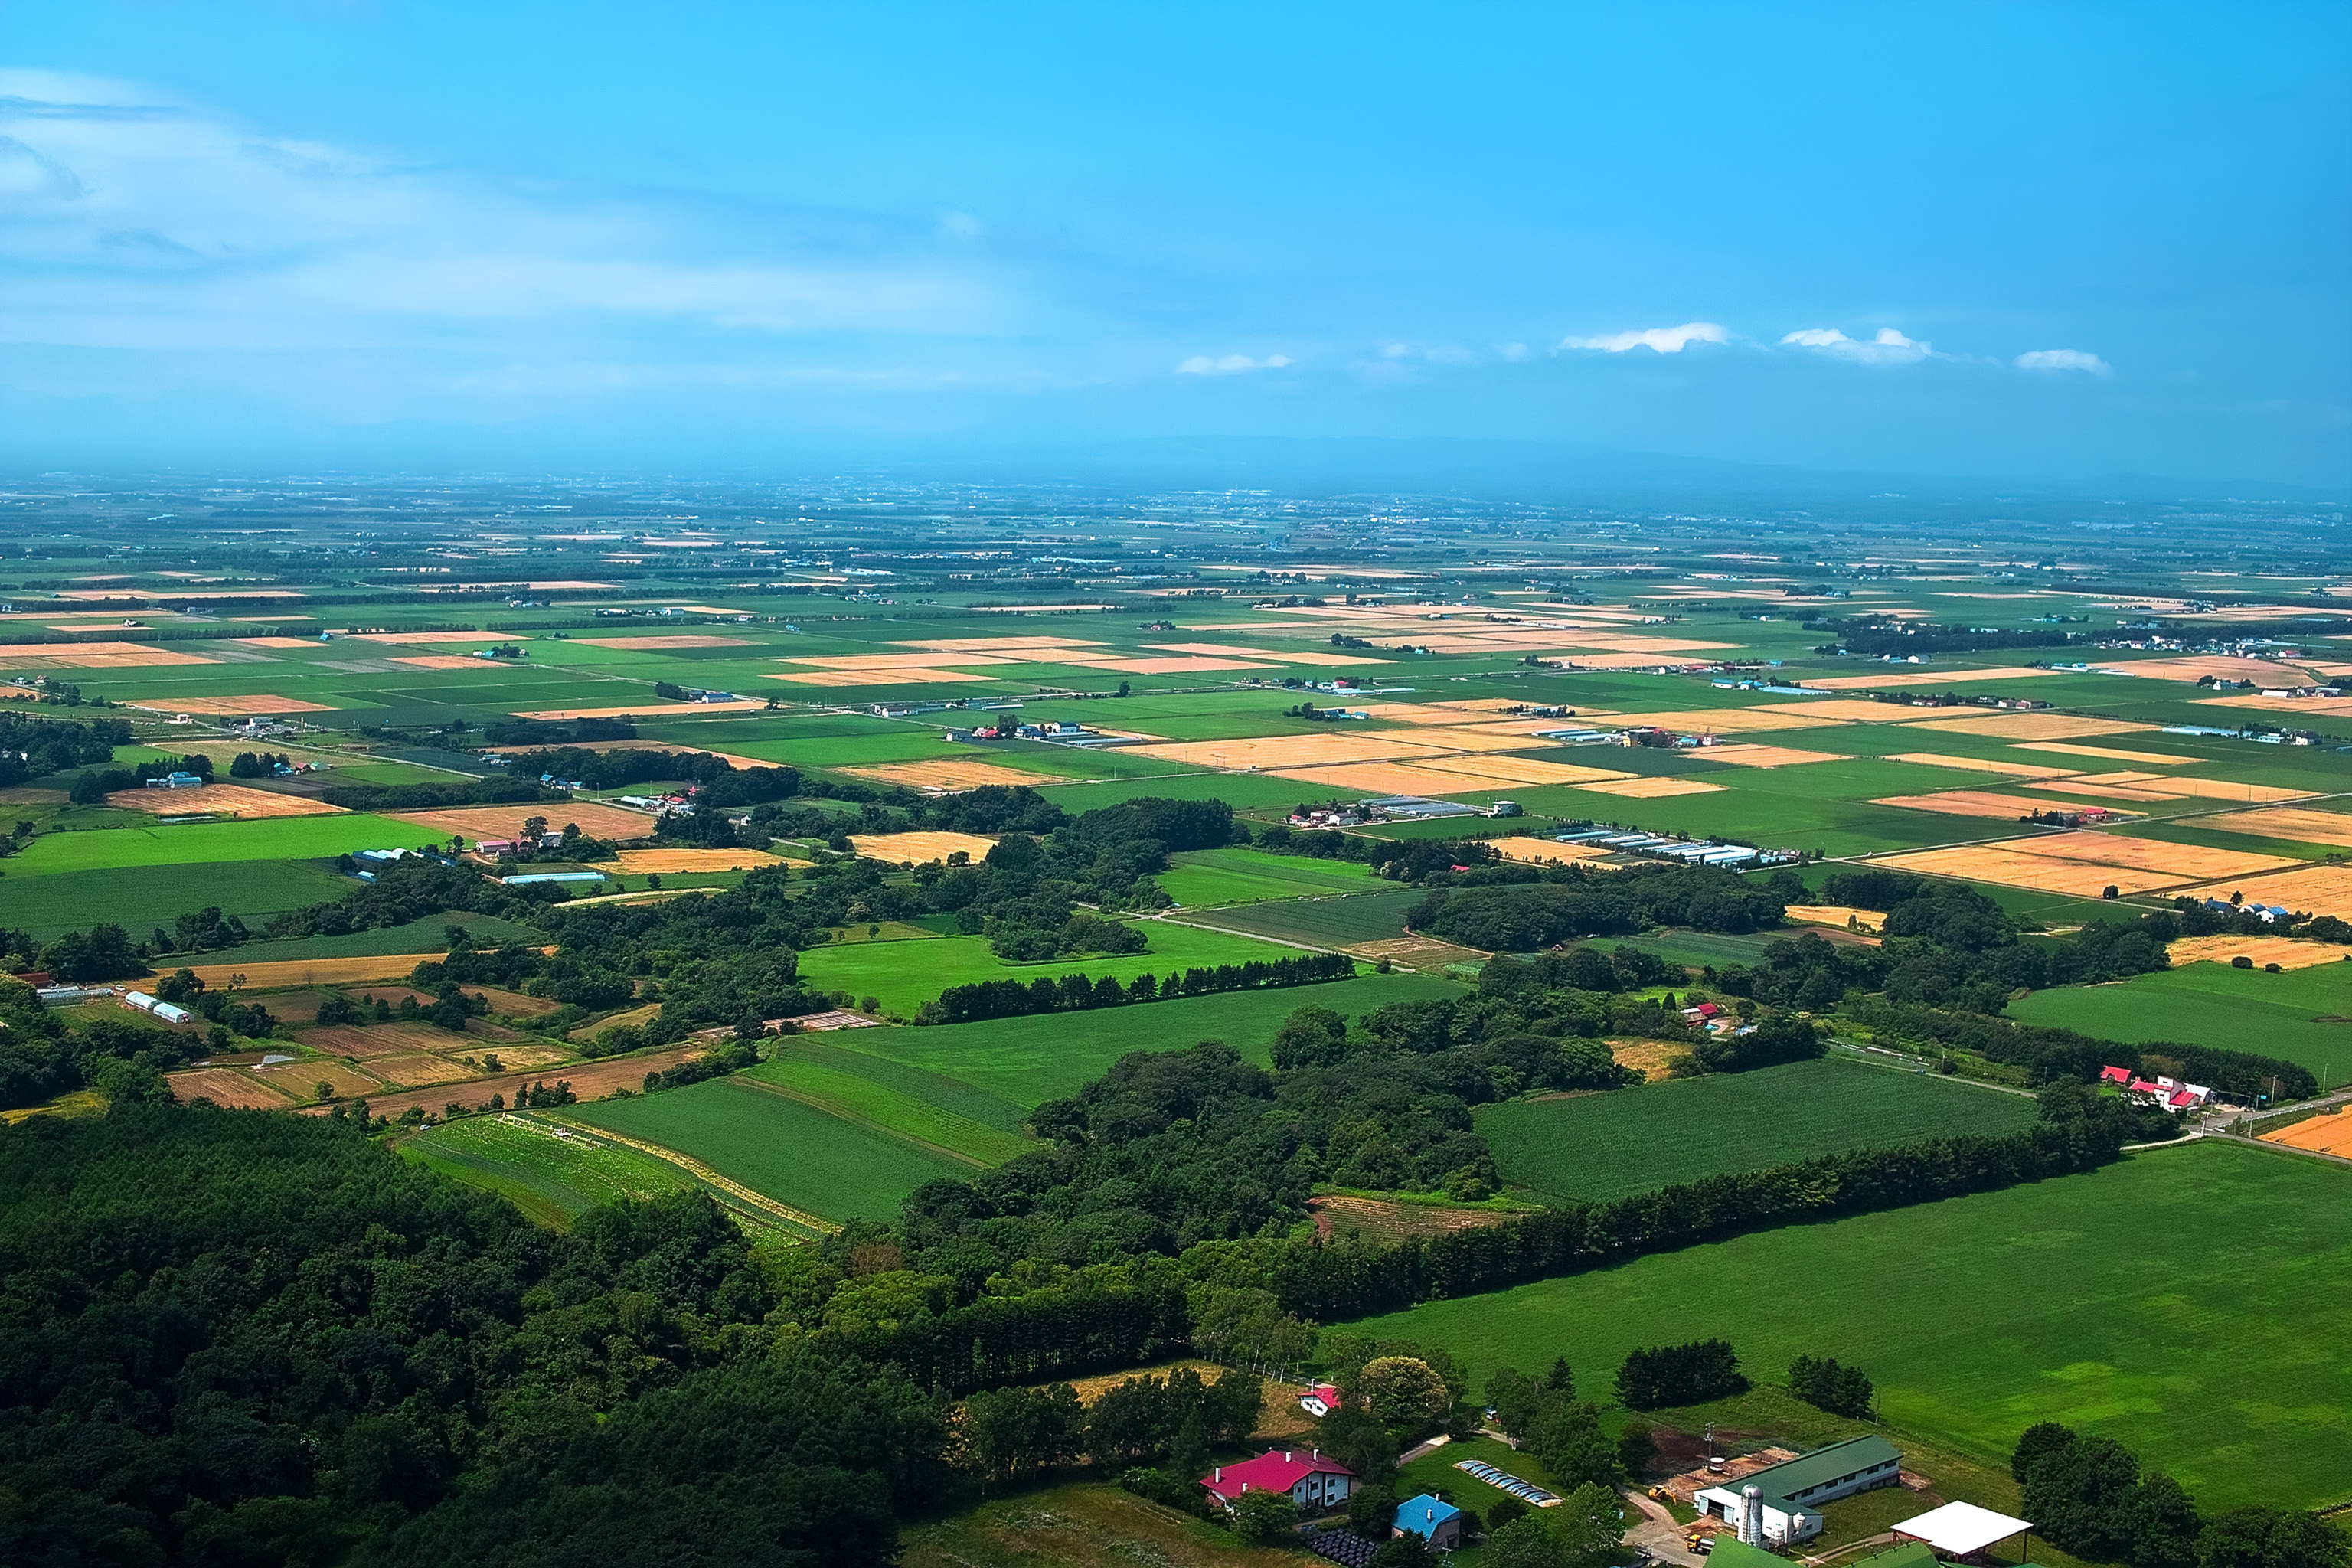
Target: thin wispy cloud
[[1889, 347], [1658, 340], [2051, 360], [1229, 364]]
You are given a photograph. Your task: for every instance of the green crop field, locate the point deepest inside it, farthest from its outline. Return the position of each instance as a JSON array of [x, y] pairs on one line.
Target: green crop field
[[2189, 1303], [1333, 920], [427, 935], [140, 898], [1239, 876], [2304, 1016], [773, 1144], [550, 1176], [905, 974], [838, 1052], [213, 843], [859, 1098], [1590, 1148], [1029, 1060]]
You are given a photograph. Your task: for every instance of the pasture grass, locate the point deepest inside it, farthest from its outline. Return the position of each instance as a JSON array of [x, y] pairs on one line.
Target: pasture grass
[[1080, 1524], [213, 843], [905, 974], [140, 898], [1328, 921], [2214, 1005], [426, 935], [1238, 876], [2188, 1303], [551, 1178], [953, 1094], [1591, 1148], [789, 1150], [859, 1098], [1029, 1060]]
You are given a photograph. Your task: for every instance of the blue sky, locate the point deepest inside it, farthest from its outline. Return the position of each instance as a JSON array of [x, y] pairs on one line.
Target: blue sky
[[2034, 241]]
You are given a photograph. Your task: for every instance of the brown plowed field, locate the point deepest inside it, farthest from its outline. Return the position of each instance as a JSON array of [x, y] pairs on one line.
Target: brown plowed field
[[223, 1086], [222, 797], [369, 1041], [2330, 1133], [588, 1080], [314, 970], [668, 860], [415, 1069], [478, 822]]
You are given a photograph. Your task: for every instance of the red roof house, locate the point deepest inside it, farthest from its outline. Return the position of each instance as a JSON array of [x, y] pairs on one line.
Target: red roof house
[[1321, 1400], [1314, 1483], [2115, 1075]]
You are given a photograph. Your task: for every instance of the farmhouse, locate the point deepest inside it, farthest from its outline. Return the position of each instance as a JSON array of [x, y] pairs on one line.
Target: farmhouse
[[1321, 1400], [1314, 1483], [1790, 1493], [1431, 1518]]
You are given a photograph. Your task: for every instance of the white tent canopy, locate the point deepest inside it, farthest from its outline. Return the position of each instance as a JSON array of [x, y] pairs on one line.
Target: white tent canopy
[[1958, 1529]]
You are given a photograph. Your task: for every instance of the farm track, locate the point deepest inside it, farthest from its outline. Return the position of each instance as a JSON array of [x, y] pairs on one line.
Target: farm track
[[758, 1202]]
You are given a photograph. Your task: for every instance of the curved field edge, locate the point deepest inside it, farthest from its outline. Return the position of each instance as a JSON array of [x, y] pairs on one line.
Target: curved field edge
[[2189, 1303]]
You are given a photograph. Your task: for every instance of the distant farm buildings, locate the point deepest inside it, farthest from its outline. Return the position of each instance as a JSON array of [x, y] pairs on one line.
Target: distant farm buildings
[[2172, 1093], [1780, 1505]]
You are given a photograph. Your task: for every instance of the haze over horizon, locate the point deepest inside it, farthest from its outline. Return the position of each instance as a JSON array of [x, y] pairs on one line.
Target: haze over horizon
[[2048, 243]]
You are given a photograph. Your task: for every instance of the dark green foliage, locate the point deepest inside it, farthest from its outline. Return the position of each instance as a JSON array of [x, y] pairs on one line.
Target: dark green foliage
[[1822, 1384], [1569, 902], [102, 952], [1169, 1488], [33, 748], [1664, 1375], [1141, 1418], [1782, 1038], [1017, 998], [2272, 1538], [2089, 1496], [2051, 1055], [1013, 1436]]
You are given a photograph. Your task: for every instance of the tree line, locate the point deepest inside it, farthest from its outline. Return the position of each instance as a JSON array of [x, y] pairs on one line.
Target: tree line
[[1068, 993]]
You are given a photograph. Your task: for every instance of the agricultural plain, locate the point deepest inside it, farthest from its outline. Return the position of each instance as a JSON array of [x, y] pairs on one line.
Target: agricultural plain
[[2301, 1014], [2221, 1362]]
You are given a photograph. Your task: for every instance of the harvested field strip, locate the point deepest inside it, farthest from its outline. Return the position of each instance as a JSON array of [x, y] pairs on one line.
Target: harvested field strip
[[1982, 766], [2329, 706], [441, 661], [1385, 778], [994, 645], [224, 1086], [653, 708], [949, 776], [1859, 711], [1516, 769], [228, 707], [1652, 789], [267, 977], [2188, 862], [918, 848], [2319, 890], [887, 1110], [1386, 1220], [1417, 953], [1543, 851], [2286, 952], [2328, 1133], [2099, 791], [1654, 1059], [635, 644], [590, 1080], [669, 861], [1751, 755], [2035, 726], [95, 656], [876, 663], [2229, 789], [478, 822], [1277, 751], [1721, 721], [2220, 667], [2148, 759], [758, 1202], [2013, 868], [875, 677], [1840, 915], [427, 639], [1438, 714], [1971, 803], [227, 800], [1950, 678], [2287, 823]]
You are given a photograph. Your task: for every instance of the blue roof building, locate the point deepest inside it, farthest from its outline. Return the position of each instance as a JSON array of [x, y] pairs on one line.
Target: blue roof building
[[1431, 1518]]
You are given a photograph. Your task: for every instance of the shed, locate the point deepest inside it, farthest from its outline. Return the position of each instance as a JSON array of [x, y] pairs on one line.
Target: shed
[[1431, 1518], [1962, 1530]]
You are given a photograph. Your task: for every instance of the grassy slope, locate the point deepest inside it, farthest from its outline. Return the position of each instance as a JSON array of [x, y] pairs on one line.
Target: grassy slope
[[2188, 1303], [1328, 920], [905, 974], [552, 1179], [857, 1098], [1028, 1060], [144, 897], [1237, 876], [424, 935], [1081, 1525], [2214, 1005], [1591, 1148], [791, 1152]]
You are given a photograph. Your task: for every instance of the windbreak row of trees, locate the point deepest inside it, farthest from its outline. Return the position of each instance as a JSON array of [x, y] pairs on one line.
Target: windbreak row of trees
[[1067, 993]]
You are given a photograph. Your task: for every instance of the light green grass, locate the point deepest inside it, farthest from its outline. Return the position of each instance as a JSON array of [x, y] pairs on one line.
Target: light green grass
[[211, 843], [140, 898], [1330, 920], [424, 935], [553, 1178], [791, 1152], [1238, 875], [858, 1098], [2189, 1303], [1590, 1148], [1030, 1061], [905, 974], [2214, 1005]]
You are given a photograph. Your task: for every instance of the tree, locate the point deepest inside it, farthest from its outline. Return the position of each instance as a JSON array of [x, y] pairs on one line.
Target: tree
[[1637, 1448], [1403, 1391], [2042, 1437], [2084, 1497], [1826, 1385], [2260, 1537], [1265, 1519], [1679, 1374], [1410, 1550], [1590, 1523], [1372, 1510], [1529, 1541]]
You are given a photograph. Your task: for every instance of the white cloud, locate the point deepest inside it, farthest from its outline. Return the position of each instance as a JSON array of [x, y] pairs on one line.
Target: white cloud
[[2053, 359], [1889, 347], [1230, 364], [1658, 340]]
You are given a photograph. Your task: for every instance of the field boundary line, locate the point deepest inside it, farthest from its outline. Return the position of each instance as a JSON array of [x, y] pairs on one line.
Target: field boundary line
[[758, 1202], [841, 1112]]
